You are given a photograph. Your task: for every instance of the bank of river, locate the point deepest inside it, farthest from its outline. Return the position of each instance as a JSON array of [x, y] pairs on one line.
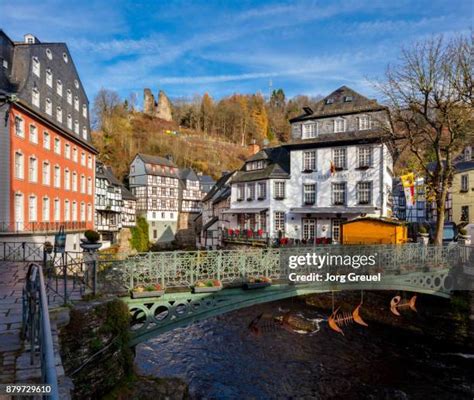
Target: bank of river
[[220, 358]]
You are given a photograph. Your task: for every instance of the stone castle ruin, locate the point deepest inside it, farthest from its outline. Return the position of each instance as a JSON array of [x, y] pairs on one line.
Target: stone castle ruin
[[160, 109]]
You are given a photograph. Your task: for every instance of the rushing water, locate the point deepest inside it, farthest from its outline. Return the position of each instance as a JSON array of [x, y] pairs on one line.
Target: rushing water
[[220, 359]]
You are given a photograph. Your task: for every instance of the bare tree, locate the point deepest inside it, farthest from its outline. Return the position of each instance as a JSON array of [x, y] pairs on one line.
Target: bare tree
[[429, 92]]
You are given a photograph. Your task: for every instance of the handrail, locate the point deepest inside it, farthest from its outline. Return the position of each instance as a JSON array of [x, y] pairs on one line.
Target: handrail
[[37, 326]]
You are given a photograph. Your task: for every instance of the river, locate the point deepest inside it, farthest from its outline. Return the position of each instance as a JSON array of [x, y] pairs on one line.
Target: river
[[221, 359]]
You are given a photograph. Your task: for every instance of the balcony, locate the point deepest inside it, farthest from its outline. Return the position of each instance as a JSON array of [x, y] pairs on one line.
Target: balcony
[[41, 227]]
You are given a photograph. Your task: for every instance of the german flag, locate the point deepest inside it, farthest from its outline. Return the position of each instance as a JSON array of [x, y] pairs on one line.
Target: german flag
[[332, 168]]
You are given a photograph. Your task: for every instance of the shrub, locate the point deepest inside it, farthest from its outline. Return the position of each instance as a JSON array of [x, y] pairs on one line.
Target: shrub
[[92, 236], [140, 240], [422, 230]]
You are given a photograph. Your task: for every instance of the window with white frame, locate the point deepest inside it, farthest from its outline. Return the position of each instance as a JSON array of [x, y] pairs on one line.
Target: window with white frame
[[57, 209], [279, 221], [36, 65], [365, 156], [310, 130], [74, 181], [254, 165], [45, 211], [46, 173], [67, 210], [309, 160], [364, 122], [83, 158], [48, 106], [340, 158], [69, 121], [83, 211], [464, 183], [339, 125], [89, 162], [32, 208], [57, 145], [84, 133], [83, 184], [279, 190], [309, 193], [74, 154], [89, 185], [35, 97], [67, 179], [67, 150], [19, 165], [364, 192], [240, 191], [59, 114], [250, 191], [46, 140], [57, 176], [262, 190], [33, 170], [338, 193], [89, 212], [49, 77], [296, 130], [468, 154], [84, 111], [59, 87], [19, 126], [74, 211], [76, 127], [69, 96], [33, 134], [76, 103], [336, 229]]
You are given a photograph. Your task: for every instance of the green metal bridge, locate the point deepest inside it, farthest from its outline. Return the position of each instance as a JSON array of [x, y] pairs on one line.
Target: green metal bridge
[[412, 267]]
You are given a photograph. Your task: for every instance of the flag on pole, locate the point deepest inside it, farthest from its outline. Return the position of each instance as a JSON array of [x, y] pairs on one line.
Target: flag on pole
[[332, 168], [408, 183]]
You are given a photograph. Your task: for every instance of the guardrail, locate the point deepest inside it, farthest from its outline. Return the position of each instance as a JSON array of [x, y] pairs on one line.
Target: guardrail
[[36, 327]]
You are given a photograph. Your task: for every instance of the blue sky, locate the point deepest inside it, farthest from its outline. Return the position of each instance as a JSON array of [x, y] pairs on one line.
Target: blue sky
[[224, 47]]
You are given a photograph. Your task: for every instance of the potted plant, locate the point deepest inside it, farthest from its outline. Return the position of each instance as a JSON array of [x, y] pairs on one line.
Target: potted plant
[[48, 247], [91, 240], [151, 290], [259, 282], [207, 286], [423, 235], [464, 237]]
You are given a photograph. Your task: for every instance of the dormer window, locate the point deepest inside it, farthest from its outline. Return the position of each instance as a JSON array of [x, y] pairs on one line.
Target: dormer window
[[69, 96], [76, 103], [35, 97], [84, 111], [76, 83], [254, 165], [65, 57], [49, 54], [49, 77], [339, 125], [84, 133], [364, 122], [347, 99], [36, 66], [59, 87], [69, 121], [59, 114], [49, 107], [310, 130], [329, 101], [468, 155], [76, 127]]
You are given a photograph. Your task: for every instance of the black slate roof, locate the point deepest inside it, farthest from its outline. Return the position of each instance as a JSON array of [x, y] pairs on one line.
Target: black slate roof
[[220, 184], [127, 195], [337, 104], [278, 166], [147, 158], [188, 174]]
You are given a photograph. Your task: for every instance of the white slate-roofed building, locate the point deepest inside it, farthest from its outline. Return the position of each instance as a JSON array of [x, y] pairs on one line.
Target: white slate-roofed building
[[154, 181], [337, 167]]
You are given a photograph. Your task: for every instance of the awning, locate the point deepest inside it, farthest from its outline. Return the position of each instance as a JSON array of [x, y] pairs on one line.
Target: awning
[[244, 210], [333, 210]]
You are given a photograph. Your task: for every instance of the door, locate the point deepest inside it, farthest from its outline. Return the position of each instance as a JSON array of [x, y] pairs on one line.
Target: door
[[309, 228], [19, 212]]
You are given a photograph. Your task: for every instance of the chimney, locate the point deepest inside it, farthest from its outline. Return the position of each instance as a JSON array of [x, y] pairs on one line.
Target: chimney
[[253, 147]]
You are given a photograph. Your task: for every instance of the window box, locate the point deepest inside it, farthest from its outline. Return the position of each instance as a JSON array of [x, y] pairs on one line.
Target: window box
[[339, 168], [139, 292], [257, 283], [309, 203], [364, 202], [338, 203], [363, 167], [240, 199], [465, 190], [249, 198], [207, 286], [279, 198], [260, 198], [307, 171]]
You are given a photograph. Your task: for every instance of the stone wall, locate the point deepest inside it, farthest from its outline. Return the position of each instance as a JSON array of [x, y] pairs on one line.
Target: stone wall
[[94, 347]]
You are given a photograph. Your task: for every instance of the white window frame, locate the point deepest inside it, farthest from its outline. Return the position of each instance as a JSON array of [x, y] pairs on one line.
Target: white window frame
[[19, 165], [339, 193], [69, 96], [279, 221], [262, 190], [309, 193], [49, 77], [32, 208], [48, 107], [33, 136], [337, 125], [46, 210], [19, 126], [364, 122], [57, 145], [46, 173], [279, 190], [309, 160], [46, 140], [35, 97], [59, 87], [33, 169], [364, 192], [340, 157], [57, 177], [310, 130], [59, 114], [67, 179], [36, 66], [364, 156]]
